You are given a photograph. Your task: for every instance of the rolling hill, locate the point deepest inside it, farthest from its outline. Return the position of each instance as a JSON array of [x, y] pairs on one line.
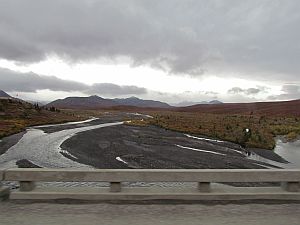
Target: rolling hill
[[3, 94], [96, 102], [188, 103], [16, 115], [137, 102], [91, 102], [257, 108], [261, 108]]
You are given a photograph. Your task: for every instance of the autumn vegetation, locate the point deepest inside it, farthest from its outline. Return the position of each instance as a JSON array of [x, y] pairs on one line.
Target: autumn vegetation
[[256, 131], [16, 115], [246, 128]]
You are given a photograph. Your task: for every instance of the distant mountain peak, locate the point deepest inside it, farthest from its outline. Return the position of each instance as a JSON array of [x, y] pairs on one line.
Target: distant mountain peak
[[4, 94], [133, 97], [95, 97], [215, 102], [188, 103], [96, 102], [137, 102]]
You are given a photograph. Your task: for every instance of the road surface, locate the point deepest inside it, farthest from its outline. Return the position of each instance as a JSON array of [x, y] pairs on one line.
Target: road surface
[[102, 213]]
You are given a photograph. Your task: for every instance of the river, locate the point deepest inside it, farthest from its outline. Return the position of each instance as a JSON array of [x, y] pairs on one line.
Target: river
[[43, 149], [290, 151]]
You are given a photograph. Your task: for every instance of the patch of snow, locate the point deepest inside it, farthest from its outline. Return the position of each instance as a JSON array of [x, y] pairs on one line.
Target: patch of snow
[[121, 160], [199, 150], [204, 139]]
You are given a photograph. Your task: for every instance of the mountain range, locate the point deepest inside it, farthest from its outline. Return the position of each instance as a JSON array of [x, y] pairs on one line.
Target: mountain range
[[216, 107], [188, 103], [96, 102]]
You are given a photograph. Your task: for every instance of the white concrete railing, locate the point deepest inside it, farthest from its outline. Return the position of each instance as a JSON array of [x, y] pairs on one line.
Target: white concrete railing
[[290, 180], [3, 190]]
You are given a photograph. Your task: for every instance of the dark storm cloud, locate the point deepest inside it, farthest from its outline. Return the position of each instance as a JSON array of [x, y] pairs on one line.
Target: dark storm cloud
[[31, 82], [115, 90], [289, 91], [249, 38], [12, 81]]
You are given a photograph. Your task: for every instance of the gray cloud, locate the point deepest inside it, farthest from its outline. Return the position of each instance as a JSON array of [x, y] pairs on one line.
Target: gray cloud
[[12, 81], [31, 82], [115, 90], [235, 90], [249, 38], [248, 91], [289, 91]]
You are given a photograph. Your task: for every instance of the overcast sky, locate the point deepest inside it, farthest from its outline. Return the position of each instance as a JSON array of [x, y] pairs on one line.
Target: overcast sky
[[169, 50]]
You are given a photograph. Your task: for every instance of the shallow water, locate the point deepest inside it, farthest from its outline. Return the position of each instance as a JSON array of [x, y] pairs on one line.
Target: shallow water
[[290, 151], [43, 149], [259, 158]]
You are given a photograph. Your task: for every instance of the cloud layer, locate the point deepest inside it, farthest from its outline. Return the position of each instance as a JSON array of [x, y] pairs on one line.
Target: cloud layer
[[247, 91], [12, 81], [247, 38], [289, 91]]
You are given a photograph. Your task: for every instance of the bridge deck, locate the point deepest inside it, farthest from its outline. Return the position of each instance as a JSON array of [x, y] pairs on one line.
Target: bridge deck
[[111, 214], [218, 192]]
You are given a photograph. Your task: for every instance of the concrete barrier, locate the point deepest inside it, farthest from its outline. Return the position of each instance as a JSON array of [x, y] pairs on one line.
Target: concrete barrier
[[1, 176], [4, 191], [289, 190]]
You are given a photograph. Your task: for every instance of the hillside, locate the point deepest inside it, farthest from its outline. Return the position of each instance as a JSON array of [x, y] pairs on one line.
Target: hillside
[[263, 120], [189, 103], [91, 102], [3, 94], [137, 102], [256, 108], [96, 102], [16, 115]]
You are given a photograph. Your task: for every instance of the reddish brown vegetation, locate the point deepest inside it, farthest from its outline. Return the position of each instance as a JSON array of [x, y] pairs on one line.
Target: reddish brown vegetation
[[285, 108], [16, 115]]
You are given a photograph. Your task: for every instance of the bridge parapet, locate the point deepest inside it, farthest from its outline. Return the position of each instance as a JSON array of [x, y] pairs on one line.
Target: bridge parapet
[[205, 178], [4, 191]]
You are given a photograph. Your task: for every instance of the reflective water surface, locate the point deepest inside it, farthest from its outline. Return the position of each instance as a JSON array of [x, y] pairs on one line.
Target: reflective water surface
[[290, 151]]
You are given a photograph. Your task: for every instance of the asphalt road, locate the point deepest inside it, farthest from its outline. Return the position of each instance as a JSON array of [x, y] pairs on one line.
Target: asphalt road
[[186, 214]]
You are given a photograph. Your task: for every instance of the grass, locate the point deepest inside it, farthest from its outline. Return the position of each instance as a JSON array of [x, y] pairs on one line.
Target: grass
[[16, 115], [262, 129]]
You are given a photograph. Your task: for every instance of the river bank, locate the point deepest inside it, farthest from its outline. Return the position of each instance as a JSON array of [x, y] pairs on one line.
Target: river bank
[[97, 144], [153, 147]]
